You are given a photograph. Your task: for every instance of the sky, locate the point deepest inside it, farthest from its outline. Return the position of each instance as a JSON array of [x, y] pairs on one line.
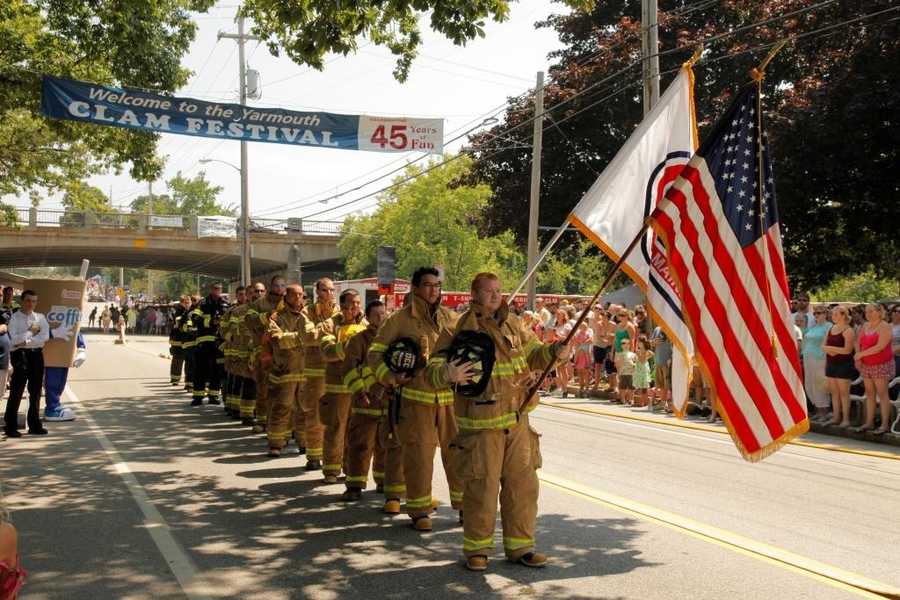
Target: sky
[[462, 85]]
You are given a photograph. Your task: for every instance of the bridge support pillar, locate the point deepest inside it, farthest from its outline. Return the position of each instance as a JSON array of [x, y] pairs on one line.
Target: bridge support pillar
[[294, 271]]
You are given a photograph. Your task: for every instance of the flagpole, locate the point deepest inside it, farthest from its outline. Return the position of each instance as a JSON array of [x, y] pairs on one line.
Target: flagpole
[[540, 258], [609, 277]]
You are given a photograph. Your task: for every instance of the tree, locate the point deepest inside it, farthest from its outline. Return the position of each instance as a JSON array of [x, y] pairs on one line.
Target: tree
[[308, 30], [831, 112], [194, 196], [862, 287], [118, 42], [432, 220], [82, 200]]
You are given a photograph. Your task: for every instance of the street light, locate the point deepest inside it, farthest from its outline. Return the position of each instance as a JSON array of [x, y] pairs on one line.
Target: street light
[[245, 219]]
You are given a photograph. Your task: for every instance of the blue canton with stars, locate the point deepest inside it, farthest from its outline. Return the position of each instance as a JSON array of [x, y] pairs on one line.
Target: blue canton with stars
[[731, 154]]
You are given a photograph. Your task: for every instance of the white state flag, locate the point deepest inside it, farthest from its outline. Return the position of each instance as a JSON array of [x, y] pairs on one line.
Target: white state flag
[[613, 211]]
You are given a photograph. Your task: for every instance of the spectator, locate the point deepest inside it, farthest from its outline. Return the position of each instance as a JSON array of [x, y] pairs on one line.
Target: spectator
[[132, 320], [662, 350], [92, 317], [541, 312], [799, 327], [895, 335], [814, 363], [583, 345], [625, 366], [106, 319], [8, 302], [641, 378], [12, 575], [120, 330], [875, 362], [28, 331], [6, 314], [160, 322], [641, 322], [857, 317], [839, 370], [804, 310], [604, 332], [114, 313]]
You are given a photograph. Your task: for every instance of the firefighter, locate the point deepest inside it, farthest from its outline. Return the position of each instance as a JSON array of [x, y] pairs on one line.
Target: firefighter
[[227, 331], [496, 452], [177, 339], [244, 345], [426, 417], [256, 321], [190, 345], [334, 409], [319, 312], [288, 330], [367, 411], [210, 368]]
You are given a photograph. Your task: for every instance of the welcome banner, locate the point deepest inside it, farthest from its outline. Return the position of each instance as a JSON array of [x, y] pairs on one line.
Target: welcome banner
[[136, 109]]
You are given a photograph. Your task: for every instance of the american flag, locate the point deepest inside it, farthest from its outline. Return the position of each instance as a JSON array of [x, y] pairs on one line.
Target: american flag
[[724, 248]]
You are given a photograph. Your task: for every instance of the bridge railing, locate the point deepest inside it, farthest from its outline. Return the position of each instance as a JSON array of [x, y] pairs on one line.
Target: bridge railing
[[32, 217]]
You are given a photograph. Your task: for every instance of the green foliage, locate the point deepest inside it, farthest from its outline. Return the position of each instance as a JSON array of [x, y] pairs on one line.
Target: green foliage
[[194, 196], [307, 30], [83, 197], [576, 268], [861, 287], [119, 42], [432, 220]]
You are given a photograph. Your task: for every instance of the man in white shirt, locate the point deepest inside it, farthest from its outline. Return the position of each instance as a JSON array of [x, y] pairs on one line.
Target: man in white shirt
[[28, 332], [541, 313]]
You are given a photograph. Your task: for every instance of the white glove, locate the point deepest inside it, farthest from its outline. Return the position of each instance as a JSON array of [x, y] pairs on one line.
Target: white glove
[[80, 357]]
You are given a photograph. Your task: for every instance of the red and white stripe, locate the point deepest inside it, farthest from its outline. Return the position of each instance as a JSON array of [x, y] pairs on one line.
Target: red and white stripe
[[735, 299]]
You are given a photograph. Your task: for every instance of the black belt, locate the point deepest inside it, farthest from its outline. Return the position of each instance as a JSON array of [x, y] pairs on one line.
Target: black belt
[[28, 350]]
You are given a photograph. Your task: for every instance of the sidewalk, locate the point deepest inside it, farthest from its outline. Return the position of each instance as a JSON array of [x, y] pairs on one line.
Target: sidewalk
[[820, 435]]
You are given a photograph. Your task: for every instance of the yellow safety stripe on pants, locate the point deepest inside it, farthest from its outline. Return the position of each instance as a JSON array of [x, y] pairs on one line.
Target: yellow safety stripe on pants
[[357, 479], [456, 496], [397, 488], [377, 475], [198, 394], [422, 502], [287, 377], [316, 453], [472, 545], [175, 344], [189, 344], [504, 421], [213, 394], [206, 338], [220, 361], [336, 468], [310, 373], [442, 397], [372, 412], [513, 543], [336, 388], [377, 347]]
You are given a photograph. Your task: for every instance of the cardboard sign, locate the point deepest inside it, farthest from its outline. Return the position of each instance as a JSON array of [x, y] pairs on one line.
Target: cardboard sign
[[60, 301]]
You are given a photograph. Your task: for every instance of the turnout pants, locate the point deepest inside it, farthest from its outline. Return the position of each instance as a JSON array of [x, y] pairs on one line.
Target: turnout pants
[[334, 412], [262, 395], [233, 392], [315, 431], [248, 397], [209, 370], [498, 462], [394, 481], [190, 367], [364, 447], [422, 428], [28, 371], [176, 365], [284, 406]]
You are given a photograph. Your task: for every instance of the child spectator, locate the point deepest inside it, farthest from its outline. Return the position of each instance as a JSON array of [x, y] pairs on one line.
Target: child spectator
[[583, 345], [641, 377]]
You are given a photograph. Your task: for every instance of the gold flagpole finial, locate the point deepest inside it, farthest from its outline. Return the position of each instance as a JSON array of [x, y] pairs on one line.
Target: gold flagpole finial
[[698, 52], [759, 72]]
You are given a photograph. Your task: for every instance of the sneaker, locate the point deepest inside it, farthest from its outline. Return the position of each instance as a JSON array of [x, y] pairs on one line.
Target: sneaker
[[197, 402], [330, 478], [534, 560], [60, 414], [15, 433], [391, 507], [38, 431], [314, 464], [477, 563]]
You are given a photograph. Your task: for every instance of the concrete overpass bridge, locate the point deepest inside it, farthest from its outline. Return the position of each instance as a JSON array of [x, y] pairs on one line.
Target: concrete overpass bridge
[[188, 244]]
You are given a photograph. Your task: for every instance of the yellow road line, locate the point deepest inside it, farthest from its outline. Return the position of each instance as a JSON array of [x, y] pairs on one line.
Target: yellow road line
[[825, 573], [723, 431]]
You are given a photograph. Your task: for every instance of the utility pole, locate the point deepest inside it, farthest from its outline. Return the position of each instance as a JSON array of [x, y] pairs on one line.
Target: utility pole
[[535, 199], [245, 201], [149, 218], [650, 53]]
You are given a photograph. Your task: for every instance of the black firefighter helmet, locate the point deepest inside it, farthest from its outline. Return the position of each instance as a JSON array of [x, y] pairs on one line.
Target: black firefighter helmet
[[402, 356], [477, 348]]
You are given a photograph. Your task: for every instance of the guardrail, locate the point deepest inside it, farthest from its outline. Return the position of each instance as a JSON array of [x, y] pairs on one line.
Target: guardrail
[[31, 217]]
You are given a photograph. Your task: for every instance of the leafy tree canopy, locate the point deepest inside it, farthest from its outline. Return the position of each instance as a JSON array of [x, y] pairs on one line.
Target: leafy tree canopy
[[183, 196], [832, 115], [309, 29], [118, 42]]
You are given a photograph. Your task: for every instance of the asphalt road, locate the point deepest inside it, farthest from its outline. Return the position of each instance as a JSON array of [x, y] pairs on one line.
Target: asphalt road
[[146, 497]]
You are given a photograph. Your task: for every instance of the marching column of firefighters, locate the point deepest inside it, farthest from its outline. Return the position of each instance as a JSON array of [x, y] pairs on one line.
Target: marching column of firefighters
[[373, 395]]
